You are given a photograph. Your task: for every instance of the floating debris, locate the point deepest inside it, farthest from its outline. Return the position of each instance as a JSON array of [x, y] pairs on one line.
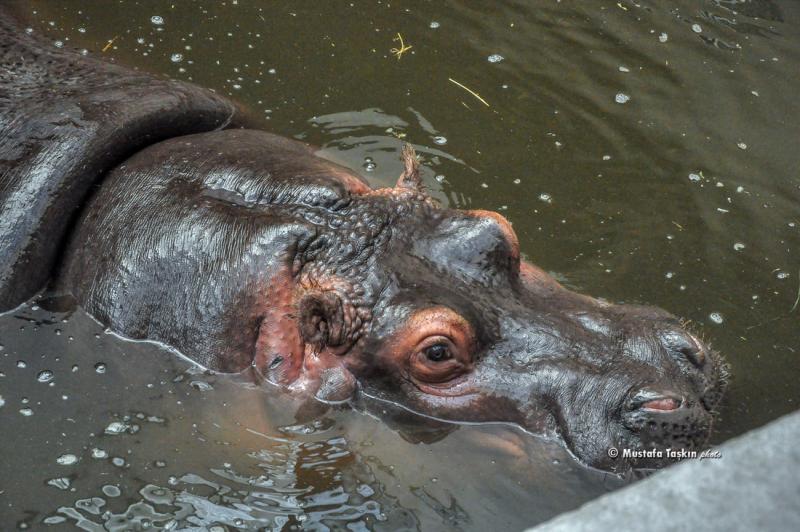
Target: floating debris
[[109, 43], [495, 58], [472, 92], [621, 98], [716, 317], [157, 20], [45, 376], [398, 52]]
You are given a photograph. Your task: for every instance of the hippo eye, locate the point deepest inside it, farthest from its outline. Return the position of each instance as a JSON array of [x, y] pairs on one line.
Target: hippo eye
[[438, 360], [438, 353]]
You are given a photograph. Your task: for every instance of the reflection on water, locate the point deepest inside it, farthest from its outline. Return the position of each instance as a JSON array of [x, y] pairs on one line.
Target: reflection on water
[[127, 436], [645, 152]]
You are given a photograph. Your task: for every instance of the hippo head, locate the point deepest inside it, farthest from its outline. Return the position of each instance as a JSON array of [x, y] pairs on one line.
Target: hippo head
[[433, 310]]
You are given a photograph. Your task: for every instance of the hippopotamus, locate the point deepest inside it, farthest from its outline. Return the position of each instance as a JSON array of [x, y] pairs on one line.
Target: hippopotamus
[[170, 215]]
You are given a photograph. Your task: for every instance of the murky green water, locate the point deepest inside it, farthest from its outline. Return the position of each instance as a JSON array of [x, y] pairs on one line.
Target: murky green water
[[645, 152]]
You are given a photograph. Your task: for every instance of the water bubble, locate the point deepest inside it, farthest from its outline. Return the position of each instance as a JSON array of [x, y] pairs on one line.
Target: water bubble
[[118, 461], [22, 364], [663, 37], [176, 58], [694, 177], [716, 317], [157, 20], [669, 275], [624, 69], [621, 98], [369, 165], [738, 246], [2, 401], [27, 412], [81, 30], [517, 181], [116, 427], [782, 275], [433, 25], [61, 483], [741, 145], [606, 157], [74, 368], [109, 490], [45, 376], [439, 178], [495, 58], [547, 198], [67, 459], [59, 44], [440, 140], [203, 386], [100, 367], [365, 491], [697, 28], [99, 454]]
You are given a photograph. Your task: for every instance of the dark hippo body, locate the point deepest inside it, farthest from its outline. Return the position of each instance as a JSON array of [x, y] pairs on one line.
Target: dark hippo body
[[243, 250]]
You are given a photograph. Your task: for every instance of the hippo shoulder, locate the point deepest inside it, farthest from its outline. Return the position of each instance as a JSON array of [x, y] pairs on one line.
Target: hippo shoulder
[[65, 119]]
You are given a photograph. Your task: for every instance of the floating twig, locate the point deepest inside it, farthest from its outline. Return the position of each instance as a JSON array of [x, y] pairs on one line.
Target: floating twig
[[109, 43], [472, 92], [403, 48]]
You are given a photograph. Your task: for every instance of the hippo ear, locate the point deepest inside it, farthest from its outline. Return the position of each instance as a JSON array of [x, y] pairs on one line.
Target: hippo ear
[[324, 320], [410, 179]]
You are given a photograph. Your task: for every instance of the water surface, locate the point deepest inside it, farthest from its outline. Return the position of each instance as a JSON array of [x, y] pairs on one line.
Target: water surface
[[644, 151]]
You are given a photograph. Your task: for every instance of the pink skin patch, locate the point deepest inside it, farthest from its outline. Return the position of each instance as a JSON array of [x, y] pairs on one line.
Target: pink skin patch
[[666, 404]]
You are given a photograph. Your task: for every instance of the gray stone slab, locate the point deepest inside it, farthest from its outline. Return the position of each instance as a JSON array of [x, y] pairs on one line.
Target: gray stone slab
[[753, 485]]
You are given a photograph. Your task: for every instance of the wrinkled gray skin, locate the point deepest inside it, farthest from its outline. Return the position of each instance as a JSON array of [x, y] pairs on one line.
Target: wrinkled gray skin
[[245, 251]]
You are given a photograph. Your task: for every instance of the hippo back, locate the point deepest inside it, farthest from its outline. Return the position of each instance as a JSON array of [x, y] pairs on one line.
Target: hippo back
[[65, 119]]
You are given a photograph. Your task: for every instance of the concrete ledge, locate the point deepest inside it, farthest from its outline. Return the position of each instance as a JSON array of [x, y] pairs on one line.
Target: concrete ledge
[[754, 485]]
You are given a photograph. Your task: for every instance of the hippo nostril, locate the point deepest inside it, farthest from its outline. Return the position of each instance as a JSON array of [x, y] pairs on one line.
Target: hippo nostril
[[694, 354], [686, 346], [655, 401]]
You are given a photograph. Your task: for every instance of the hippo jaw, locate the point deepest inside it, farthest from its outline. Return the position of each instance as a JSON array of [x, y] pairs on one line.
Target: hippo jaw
[[433, 310]]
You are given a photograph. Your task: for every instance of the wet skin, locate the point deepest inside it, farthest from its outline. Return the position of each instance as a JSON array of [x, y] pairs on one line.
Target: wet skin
[[245, 251]]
